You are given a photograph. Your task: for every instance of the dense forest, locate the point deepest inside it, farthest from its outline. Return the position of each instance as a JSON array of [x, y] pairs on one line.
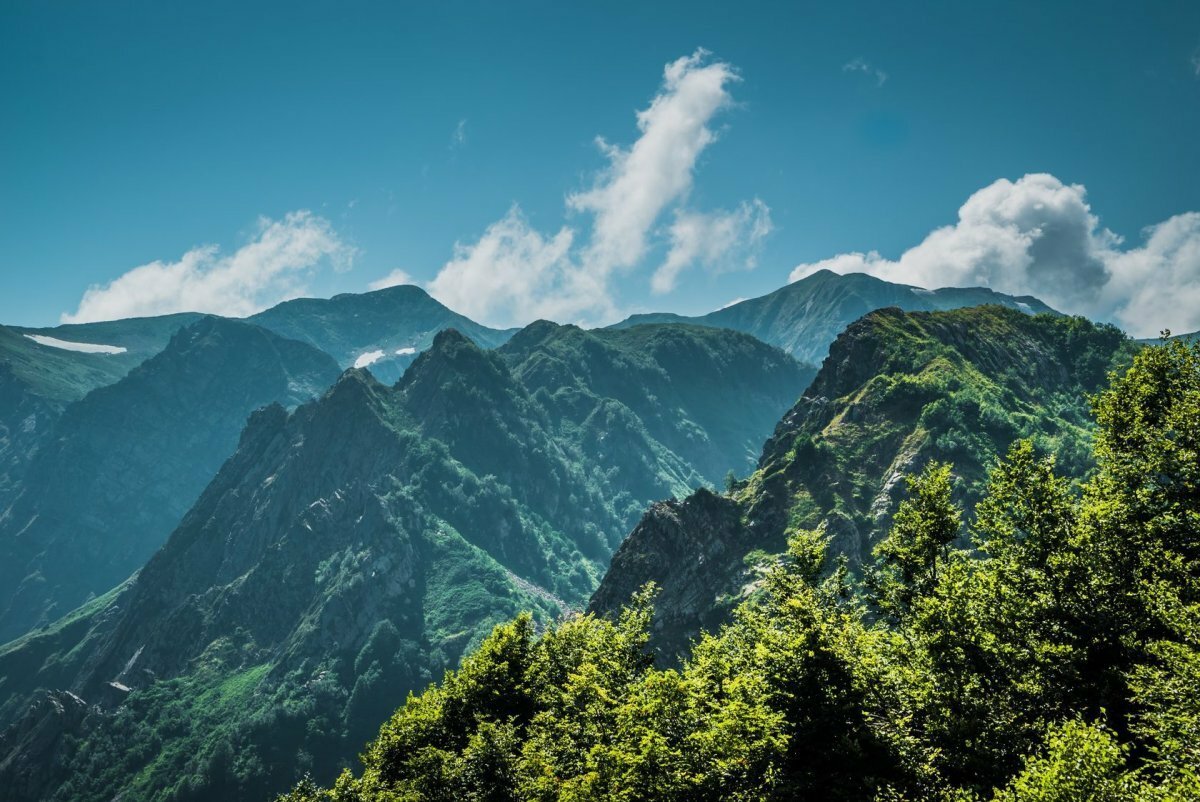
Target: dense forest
[[1049, 652]]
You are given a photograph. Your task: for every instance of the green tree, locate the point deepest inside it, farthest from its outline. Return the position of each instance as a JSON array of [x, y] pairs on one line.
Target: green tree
[[911, 554]]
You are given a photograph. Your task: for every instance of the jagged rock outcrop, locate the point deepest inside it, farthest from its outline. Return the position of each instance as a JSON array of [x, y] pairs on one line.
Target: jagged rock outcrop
[[33, 749]]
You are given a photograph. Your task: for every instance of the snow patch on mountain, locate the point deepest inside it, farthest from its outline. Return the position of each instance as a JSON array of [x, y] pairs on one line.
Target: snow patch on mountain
[[67, 345], [368, 358]]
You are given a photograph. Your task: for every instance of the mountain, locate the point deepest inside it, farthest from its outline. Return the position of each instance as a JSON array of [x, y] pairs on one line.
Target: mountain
[[384, 329], [896, 391], [804, 317], [125, 462], [1055, 657], [351, 550], [44, 370]]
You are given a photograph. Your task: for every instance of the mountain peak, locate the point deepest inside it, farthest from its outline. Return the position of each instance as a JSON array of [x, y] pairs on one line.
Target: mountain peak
[[395, 321], [451, 338], [395, 291]]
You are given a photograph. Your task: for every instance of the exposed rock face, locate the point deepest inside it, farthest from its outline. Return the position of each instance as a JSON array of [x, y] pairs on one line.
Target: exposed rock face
[[897, 390], [32, 750], [697, 538], [127, 461]]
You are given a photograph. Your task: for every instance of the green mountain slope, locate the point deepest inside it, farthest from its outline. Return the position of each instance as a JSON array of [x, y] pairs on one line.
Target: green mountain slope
[[350, 551], [124, 463], [804, 317], [388, 327], [37, 381], [896, 391]]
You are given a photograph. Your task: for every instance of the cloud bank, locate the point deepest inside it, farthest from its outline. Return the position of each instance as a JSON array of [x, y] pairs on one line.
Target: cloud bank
[[271, 268], [515, 273], [1038, 236]]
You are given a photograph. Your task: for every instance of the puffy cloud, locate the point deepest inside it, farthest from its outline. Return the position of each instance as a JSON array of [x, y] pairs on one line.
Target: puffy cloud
[[657, 170], [1038, 236], [393, 279], [714, 239], [514, 273], [270, 268], [1157, 286], [862, 65]]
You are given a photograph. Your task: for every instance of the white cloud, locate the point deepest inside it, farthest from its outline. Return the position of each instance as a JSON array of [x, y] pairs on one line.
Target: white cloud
[[713, 239], [1157, 286], [272, 267], [1038, 236], [393, 279], [514, 273], [657, 170], [862, 65], [734, 302], [459, 137]]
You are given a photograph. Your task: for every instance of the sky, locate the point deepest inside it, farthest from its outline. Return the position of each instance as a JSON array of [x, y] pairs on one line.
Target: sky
[[584, 161]]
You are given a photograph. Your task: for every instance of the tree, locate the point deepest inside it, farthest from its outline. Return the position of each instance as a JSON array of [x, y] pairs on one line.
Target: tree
[[919, 541]]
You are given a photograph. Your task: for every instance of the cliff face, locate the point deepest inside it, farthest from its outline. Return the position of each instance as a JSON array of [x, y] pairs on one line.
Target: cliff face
[[897, 390], [350, 550]]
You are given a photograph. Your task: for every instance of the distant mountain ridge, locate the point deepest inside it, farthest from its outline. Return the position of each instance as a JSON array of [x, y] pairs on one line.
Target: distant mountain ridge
[[805, 316], [383, 329], [38, 381]]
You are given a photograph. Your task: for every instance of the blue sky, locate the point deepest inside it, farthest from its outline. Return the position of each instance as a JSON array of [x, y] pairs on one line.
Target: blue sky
[[250, 151]]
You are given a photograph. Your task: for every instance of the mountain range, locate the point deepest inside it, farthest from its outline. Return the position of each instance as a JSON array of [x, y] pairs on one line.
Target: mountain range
[[805, 316], [269, 547], [354, 548]]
